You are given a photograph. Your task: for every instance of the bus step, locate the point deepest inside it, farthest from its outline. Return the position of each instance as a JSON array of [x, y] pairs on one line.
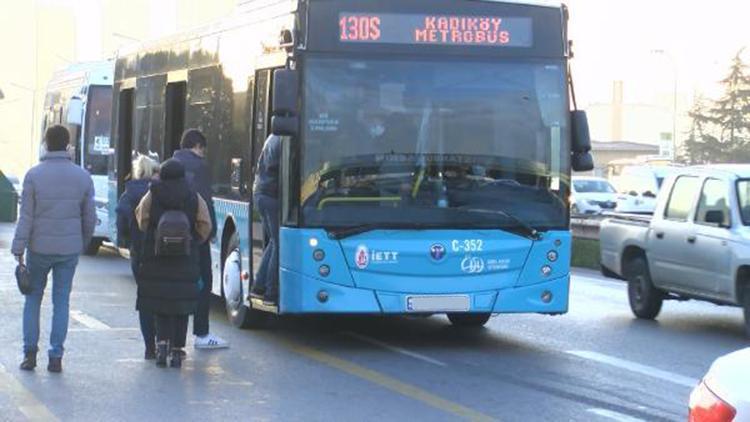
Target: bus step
[[258, 304]]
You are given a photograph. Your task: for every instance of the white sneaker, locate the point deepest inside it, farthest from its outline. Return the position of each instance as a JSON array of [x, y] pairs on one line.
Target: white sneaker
[[210, 341]]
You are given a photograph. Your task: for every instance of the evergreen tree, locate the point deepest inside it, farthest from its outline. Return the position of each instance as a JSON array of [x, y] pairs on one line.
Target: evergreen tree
[[720, 131]]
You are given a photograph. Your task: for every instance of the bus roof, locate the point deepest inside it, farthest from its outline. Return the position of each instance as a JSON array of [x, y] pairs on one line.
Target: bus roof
[[84, 73], [265, 9], [546, 3]]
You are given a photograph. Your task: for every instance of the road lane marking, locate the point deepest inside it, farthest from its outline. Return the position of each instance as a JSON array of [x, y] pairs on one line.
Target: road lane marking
[[384, 381], [88, 321], [616, 416], [27, 403], [648, 371], [396, 349]]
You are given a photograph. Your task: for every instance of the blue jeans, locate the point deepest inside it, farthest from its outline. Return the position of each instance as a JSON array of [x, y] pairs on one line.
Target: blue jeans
[[268, 271], [63, 269]]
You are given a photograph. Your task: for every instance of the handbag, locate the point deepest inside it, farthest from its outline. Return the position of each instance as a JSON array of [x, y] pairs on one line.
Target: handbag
[[23, 279]]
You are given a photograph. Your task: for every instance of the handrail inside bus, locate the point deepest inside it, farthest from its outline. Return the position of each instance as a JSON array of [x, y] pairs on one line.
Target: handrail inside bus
[[325, 201]]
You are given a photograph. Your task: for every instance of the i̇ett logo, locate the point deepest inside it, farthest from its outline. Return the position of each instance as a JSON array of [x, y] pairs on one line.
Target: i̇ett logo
[[362, 257], [437, 252]]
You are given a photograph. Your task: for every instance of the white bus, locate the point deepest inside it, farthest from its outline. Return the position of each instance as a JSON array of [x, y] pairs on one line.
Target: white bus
[[80, 98]]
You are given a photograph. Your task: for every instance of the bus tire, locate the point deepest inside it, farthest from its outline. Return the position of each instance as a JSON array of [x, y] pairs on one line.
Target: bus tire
[[239, 315], [645, 299], [93, 248], [469, 320]]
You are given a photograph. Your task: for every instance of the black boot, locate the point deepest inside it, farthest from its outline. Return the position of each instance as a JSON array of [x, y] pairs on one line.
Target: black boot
[[54, 365], [29, 361], [162, 349], [176, 358]]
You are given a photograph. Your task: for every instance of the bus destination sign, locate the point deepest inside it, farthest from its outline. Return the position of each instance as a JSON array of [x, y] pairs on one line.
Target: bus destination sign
[[389, 28]]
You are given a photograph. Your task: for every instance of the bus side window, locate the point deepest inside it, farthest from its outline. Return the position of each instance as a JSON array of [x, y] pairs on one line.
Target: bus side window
[[262, 106], [174, 116], [124, 142]]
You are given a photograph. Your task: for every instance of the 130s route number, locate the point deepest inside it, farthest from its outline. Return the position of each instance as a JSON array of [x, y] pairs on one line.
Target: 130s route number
[[469, 245]]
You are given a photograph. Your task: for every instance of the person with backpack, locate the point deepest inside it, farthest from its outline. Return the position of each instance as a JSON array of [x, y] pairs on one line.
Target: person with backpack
[[56, 224], [192, 155], [176, 222], [144, 170]]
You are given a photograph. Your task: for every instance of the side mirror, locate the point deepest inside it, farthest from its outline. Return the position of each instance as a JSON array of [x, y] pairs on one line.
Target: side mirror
[[716, 217], [285, 92], [75, 112], [582, 161], [649, 194], [581, 142], [285, 126]]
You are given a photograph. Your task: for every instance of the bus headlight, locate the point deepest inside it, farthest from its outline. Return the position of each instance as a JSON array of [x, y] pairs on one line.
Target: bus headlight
[[324, 270], [319, 255], [546, 271], [552, 256]]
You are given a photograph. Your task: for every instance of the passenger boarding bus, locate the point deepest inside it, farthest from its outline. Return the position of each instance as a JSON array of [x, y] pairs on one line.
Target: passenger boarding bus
[[427, 151], [80, 98]]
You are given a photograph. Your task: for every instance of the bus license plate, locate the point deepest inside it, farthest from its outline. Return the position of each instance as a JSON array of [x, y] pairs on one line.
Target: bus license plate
[[438, 303]]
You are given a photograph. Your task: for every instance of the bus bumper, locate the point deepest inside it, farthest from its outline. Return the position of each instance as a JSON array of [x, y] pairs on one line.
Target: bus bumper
[[307, 295]]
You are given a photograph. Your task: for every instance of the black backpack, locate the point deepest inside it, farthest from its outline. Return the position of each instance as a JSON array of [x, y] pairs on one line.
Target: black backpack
[[174, 234]]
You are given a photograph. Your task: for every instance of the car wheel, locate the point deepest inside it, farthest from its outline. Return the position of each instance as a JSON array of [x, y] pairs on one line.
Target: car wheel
[[469, 320], [94, 246], [239, 314], [645, 299], [746, 306]]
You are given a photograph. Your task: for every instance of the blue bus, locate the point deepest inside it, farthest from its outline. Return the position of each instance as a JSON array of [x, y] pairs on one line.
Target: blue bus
[[79, 97], [427, 151]]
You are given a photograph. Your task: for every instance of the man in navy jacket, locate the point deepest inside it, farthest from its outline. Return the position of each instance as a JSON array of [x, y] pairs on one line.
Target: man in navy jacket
[[192, 156]]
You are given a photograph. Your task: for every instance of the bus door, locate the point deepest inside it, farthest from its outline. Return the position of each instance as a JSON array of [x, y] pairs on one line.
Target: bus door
[[174, 116], [125, 137], [261, 127]]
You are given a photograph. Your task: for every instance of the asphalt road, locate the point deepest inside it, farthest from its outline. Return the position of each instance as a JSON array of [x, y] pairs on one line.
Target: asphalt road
[[594, 364]]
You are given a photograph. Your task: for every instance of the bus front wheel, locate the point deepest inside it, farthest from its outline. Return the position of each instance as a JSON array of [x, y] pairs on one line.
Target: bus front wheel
[[469, 320], [238, 313]]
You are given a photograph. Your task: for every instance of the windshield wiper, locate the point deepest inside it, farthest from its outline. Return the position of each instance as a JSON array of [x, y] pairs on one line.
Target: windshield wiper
[[343, 233], [527, 230]]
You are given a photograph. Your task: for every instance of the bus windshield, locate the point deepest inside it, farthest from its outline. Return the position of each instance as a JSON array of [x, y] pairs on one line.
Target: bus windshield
[[451, 143], [96, 144]]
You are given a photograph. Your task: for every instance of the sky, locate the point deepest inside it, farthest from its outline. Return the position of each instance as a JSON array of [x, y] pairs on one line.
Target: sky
[[615, 39]]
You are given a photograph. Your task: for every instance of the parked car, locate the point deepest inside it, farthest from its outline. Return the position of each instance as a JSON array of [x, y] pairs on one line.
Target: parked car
[[592, 195], [696, 245], [16, 183], [639, 186], [724, 393]]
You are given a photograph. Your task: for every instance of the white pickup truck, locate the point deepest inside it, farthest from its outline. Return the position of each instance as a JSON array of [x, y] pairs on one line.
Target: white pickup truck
[[696, 245]]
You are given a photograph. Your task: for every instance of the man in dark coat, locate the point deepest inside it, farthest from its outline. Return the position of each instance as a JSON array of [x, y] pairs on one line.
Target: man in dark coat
[[192, 156], [168, 285]]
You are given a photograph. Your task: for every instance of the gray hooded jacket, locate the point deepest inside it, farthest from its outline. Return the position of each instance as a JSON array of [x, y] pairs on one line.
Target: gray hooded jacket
[[58, 214]]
